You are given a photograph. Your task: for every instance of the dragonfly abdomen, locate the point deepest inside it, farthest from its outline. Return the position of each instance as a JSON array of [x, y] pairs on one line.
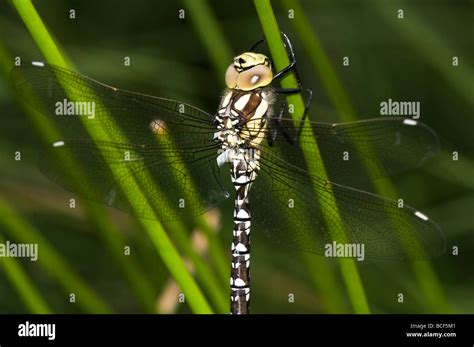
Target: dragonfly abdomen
[[242, 176], [241, 126]]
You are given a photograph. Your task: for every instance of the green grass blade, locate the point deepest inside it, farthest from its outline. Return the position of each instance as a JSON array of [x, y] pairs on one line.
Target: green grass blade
[[434, 50], [280, 59], [25, 288], [324, 280], [51, 261], [323, 67], [207, 27], [107, 231], [39, 32], [165, 248], [212, 37], [461, 173], [214, 287], [175, 265], [213, 40]]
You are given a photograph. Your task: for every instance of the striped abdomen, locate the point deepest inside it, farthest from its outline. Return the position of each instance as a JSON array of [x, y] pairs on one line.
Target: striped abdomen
[[242, 124]]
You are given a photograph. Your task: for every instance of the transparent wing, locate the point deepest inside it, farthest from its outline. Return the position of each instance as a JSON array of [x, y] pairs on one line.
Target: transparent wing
[[140, 117], [161, 175], [306, 212], [169, 144], [388, 146]]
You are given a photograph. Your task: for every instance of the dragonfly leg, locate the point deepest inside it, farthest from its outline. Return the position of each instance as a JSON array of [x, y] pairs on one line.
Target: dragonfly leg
[[290, 91], [279, 129], [273, 133], [292, 65], [291, 56], [305, 112], [287, 91]]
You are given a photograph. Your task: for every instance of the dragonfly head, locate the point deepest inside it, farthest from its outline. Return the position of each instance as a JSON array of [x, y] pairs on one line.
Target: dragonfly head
[[249, 71]]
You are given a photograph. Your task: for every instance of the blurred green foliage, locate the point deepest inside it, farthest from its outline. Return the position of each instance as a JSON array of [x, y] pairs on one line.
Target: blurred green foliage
[[402, 59]]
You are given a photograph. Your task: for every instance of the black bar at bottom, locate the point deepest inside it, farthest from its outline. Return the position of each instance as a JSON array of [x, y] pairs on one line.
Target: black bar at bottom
[[160, 330]]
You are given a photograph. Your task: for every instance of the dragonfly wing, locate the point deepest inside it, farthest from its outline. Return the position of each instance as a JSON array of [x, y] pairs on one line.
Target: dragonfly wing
[[381, 146], [150, 182], [308, 213], [139, 117], [169, 145]]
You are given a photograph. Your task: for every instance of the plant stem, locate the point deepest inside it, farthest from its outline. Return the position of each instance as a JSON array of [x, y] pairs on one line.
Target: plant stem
[[163, 245], [51, 261], [280, 58], [25, 288], [341, 101]]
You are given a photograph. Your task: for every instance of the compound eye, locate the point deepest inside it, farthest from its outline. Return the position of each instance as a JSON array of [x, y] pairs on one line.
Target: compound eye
[[255, 77], [231, 76]]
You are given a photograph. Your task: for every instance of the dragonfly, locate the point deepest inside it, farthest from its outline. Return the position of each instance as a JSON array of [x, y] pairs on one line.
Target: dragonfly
[[164, 159]]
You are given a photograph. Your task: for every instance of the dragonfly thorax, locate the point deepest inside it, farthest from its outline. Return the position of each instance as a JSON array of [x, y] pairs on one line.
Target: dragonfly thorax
[[241, 122]]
